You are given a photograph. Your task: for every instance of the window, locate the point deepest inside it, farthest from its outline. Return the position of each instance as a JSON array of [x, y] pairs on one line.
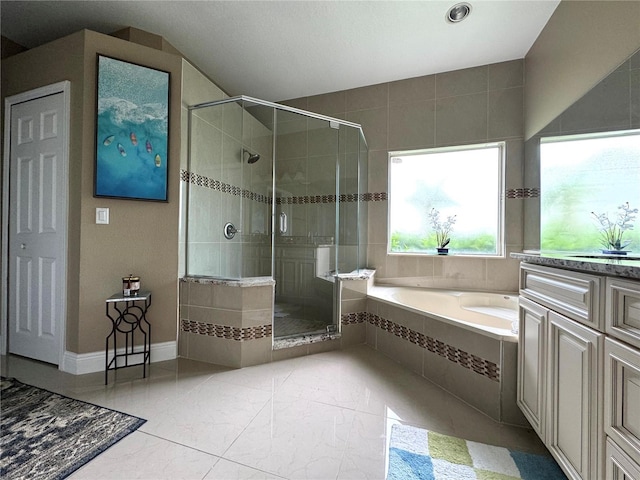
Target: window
[[581, 174], [465, 182]]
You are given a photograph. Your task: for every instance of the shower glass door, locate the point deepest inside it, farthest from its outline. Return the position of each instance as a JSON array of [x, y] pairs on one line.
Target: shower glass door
[[305, 223]]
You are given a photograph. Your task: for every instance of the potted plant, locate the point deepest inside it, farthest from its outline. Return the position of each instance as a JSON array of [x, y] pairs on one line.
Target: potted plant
[[611, 232], [442, 230]]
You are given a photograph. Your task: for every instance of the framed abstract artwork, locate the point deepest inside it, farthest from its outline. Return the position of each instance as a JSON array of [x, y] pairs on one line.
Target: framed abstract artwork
[[132, 131]]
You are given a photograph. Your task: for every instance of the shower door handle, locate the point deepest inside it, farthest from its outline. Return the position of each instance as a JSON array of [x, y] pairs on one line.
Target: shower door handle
[[283, 223]]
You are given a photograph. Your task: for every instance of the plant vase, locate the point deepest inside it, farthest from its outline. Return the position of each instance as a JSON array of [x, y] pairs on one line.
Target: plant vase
[[614, 252], [443, 251]]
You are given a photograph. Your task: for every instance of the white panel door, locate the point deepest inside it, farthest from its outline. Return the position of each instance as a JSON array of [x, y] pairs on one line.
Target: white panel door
[[37, 228]]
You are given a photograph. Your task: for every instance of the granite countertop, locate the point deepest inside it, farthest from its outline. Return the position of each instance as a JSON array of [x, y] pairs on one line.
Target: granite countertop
[[242, 282], [604, 265]]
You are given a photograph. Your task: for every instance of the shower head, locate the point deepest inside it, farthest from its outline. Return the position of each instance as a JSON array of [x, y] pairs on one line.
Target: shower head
[[252, 157]]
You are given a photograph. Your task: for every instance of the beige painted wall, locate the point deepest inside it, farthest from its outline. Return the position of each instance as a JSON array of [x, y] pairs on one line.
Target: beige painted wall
[[581, 44], [142, 237]]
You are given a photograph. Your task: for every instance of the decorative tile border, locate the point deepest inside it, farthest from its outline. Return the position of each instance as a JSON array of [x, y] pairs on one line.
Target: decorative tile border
[[343, 198], [453, 354], [523, 193], [225, 331], [203, 181], [353, 318]]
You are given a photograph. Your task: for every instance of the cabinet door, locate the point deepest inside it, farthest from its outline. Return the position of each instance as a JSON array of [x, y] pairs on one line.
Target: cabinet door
[[531, 364], [574, 385], [622, 396], [619, 465], [287, 280]]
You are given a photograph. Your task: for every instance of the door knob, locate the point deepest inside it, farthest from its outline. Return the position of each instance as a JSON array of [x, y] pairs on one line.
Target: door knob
[[23, 246]]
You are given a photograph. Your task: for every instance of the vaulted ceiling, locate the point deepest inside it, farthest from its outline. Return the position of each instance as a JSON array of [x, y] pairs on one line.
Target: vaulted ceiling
[[277, 50]]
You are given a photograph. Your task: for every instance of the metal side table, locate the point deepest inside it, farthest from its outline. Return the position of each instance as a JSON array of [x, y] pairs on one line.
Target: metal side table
[[128, 315]]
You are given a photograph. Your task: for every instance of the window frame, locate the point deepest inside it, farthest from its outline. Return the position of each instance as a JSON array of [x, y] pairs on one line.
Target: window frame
[[501, 197]]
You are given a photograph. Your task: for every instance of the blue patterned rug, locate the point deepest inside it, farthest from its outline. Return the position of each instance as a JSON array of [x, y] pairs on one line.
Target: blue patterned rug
[[418, 454], [45, 436]]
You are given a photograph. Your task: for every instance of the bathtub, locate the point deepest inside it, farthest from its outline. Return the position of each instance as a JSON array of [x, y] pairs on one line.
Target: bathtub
[[491, 314], [461, 341]]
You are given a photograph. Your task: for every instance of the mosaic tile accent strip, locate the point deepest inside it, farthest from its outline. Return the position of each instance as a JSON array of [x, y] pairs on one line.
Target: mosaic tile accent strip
[[523, 193], [203, 181], [354, 318], [343, 198], [453, 354], [225, 331]]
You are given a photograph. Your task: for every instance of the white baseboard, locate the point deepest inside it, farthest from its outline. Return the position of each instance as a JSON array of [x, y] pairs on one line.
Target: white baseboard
[[81, 363]]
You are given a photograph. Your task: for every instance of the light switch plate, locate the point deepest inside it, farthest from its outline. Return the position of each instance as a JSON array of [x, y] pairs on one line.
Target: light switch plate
[[102, 216]]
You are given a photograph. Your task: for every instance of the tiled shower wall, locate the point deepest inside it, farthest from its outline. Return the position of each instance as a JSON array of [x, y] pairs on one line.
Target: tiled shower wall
[[473, 105], [223, 186]]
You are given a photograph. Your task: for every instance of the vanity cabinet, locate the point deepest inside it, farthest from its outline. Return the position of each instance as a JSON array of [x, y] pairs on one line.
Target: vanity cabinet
[[579, 369], [560, 365]]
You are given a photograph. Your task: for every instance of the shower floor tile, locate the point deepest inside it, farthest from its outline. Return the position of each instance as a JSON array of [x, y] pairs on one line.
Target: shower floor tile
[[327, 415], [290, 320]]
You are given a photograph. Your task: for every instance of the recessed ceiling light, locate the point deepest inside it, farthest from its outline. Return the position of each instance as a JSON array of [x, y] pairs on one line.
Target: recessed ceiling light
[[458, 12]]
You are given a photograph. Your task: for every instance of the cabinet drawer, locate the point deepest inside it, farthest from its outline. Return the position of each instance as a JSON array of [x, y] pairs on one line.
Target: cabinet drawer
[[619, 465], [622, 315], [622, 396], [575, 295]]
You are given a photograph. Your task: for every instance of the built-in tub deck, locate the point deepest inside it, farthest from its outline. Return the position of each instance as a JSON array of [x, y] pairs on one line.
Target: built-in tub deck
[[463, 341]]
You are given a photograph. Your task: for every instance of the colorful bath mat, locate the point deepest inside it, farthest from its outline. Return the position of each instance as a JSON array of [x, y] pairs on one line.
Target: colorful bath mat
[[418, 454]]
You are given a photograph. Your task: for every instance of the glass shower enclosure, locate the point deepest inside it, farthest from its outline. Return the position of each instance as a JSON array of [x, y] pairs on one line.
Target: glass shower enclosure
[[278, 192]]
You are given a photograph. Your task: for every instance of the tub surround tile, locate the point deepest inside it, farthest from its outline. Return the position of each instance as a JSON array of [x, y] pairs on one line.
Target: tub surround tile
[[353, 334], [406, 353], [469, 361]]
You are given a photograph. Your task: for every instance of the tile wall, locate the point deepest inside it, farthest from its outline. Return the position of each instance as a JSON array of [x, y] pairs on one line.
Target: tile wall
[[479, 369], [226, 324], [473, 105]]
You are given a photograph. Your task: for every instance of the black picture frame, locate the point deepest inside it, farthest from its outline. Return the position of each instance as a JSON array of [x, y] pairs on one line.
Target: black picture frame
[[132, 131]]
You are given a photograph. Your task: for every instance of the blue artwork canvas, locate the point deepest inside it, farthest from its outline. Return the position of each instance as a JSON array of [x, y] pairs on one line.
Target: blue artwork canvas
[[132, 131]]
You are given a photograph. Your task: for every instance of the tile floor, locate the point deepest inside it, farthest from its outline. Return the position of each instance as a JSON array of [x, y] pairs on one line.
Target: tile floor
[[324, 416]]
